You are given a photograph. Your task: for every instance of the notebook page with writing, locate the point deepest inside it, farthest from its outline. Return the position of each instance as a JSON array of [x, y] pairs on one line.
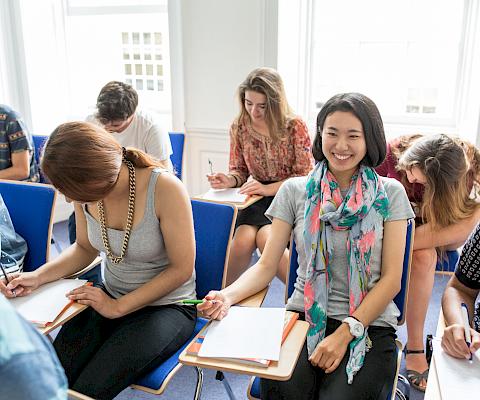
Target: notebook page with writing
[[231, 195], [44, 304], [246, 332], [457, 378]]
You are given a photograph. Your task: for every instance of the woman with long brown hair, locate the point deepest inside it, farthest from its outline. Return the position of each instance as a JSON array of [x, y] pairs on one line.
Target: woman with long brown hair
[[442, 177], [140, 216], [268, 144]]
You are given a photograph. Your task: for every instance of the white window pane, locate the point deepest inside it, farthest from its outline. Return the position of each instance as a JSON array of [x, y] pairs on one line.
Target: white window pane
[[139, 84], [128, 69], [147, 38], [160, 70], [158, 38], [136, 38], [149, 69], [138, 69], [149, 84], [125, 38], [404, 68]]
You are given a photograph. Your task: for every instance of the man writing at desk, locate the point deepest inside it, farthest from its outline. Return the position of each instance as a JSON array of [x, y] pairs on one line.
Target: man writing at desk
[[463, 287]]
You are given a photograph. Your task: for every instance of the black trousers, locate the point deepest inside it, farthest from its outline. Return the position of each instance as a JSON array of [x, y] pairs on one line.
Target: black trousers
[[102, 356], [373, 381]]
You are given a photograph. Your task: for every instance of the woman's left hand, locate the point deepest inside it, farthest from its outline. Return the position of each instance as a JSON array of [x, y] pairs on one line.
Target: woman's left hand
[[253, 186], [97, 299], [330, 351]]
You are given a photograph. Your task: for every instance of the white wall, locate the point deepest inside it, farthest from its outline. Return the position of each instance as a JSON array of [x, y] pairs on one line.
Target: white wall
[[218, 42]]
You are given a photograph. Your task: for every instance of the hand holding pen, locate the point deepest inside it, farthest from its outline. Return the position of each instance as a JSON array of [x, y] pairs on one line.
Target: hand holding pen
[[215, 305], [10, 293], [219, 180], [459, 339]]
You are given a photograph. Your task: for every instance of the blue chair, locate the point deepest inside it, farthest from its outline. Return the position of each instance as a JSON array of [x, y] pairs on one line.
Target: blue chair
[[177, 139], [31, 208], [214, 225], [253, 391]]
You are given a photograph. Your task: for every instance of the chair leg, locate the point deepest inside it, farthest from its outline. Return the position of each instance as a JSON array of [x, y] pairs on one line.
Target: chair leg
[[221, 377], [198, 388], [398, 393]]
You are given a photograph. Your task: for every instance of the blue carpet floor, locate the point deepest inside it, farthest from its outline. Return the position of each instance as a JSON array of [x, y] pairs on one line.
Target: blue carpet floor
[[182, 385]]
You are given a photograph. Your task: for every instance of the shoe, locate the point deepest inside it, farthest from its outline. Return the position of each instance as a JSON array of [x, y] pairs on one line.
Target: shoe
[[415, 377]]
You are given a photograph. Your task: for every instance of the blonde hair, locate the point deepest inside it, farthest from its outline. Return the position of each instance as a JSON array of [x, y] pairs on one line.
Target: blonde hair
[[447, 164], [83, 161], [278, 114]]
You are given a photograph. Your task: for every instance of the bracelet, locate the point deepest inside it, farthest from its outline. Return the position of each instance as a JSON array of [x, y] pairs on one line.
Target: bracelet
[[236, 180]]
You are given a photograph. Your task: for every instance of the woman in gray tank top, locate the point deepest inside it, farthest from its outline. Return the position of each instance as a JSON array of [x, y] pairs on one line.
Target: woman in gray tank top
[[140, 216]]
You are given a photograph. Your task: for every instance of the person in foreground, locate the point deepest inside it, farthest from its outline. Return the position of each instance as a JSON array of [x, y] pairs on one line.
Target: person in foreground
[[268, 144], [463, 287], [441, 175], [29, 367], [140, 216], [349, 226]]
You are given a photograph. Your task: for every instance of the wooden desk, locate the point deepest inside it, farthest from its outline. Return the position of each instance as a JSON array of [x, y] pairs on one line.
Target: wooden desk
[[433, 388], [67, 315], [278, 370], [240, 206]]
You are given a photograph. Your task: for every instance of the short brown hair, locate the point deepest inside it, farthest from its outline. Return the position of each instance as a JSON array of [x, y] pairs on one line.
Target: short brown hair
[[116, 101], [83, 161]]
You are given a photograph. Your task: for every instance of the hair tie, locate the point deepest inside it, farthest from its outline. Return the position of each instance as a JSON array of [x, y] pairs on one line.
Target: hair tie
[[124, 154]]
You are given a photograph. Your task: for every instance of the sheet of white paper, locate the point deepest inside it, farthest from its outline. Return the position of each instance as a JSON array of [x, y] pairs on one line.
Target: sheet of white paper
[[246, 332], [45, 303], [457, 379], [229, 195]]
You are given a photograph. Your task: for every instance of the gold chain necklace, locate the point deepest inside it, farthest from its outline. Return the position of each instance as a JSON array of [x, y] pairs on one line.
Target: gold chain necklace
[[128, 227]]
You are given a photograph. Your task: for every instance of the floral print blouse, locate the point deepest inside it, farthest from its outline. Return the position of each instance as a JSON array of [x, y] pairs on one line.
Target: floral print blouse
[[252, 153]]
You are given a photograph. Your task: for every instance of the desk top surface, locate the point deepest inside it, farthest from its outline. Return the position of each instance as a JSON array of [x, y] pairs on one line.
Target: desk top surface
[[279, 370]]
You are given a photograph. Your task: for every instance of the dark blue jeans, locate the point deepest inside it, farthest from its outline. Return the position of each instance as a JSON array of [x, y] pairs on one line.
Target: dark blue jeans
[[374, 380], [102, 356]]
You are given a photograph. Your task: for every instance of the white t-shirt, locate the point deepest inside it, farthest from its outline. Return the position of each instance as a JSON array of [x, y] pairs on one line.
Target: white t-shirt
[[143, 133]]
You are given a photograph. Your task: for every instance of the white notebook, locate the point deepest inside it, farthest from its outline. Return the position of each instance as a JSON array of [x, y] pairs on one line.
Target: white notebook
[[457, 378], [47, 302], [246, 332], [231, 195]]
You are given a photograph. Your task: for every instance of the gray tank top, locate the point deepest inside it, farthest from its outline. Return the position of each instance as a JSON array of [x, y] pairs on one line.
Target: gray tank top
[[146, 254]]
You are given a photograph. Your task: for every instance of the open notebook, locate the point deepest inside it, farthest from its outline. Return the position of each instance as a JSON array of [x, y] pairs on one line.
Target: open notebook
[[225, 195], [43, 306], [457, 378]]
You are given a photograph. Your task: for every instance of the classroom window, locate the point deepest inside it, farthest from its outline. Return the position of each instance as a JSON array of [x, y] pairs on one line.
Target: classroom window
[[122, 39], [415, 71]]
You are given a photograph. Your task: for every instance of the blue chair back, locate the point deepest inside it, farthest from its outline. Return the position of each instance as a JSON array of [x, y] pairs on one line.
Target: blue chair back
[[214, 224], [38, 143], [31, 206], [177, 139], [400, 299]]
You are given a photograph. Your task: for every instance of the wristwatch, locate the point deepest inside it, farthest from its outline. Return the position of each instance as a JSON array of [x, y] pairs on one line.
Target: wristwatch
[[356, 327]]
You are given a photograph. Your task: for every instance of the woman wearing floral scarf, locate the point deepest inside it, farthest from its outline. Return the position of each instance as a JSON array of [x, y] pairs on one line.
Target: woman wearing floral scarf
[[349, 225]]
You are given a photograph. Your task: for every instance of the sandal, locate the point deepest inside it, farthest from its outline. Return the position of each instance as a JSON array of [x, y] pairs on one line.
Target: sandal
[[415, 377]]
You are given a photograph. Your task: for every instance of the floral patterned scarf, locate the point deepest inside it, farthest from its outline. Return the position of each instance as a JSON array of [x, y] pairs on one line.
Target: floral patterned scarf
[[362, 213]]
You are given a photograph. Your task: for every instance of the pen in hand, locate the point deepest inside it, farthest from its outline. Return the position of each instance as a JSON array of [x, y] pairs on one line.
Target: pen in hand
[[193, 301], [211, 166], [4, 274], [466, 326]]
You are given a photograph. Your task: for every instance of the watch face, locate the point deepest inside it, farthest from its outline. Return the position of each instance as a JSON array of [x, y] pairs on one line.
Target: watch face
[[357, 330]]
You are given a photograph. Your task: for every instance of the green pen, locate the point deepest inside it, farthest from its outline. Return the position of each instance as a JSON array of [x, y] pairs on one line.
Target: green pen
[[190, 301]]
